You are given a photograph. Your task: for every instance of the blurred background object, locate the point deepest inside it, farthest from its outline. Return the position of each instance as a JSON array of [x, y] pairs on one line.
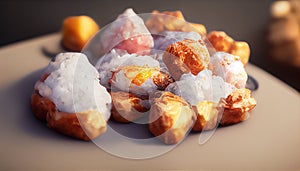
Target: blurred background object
[[283, 39], [242, 20], [284, 32], [76, 32]]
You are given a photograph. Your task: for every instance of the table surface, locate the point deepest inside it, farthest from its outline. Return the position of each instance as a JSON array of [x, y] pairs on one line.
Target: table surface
[[269, 139]]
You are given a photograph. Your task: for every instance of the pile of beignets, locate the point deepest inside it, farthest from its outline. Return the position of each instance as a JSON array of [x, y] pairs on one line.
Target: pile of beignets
[[163, 70]]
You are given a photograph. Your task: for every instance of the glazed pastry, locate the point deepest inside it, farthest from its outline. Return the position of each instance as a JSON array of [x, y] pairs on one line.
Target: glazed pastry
[[126, 107], [70, 99], [76, 31], [127, 32], [224, 43], [186, 56], [230, 68], [170, 118], [236, 106], [172, 21]]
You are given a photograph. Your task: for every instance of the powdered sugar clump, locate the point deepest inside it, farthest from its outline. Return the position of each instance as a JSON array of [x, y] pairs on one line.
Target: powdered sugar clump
[[133, 65], [127, 32], [73, 85], [202, 87], [230, 68], [117, 58], [123, 83]]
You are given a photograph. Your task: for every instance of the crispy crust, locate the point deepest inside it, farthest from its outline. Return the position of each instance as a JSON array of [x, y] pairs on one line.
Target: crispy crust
[[236, 106], [242, 50], [170, 117], [222, 42], [166, 20], [126, 107], [40, 106], [85, 126], [207, 116], [192, 56], [162, 80], [175, 66], [172, 21]]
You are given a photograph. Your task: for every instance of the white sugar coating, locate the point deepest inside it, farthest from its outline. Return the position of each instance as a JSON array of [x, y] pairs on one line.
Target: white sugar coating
[[127, 25], [115, 58], [202, 87], [110, 62], [158, 55], [230, 68], [142, 61], [166, 38], [73, 85], [123, 83]]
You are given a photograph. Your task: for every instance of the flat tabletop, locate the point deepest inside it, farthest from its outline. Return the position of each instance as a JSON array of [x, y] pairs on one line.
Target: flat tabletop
[[270, 139]]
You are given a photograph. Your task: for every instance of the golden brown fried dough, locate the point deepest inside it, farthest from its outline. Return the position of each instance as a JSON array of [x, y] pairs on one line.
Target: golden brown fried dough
[[172, 21], [40, 106], [207, 116], [186, 56], [222, 42], [76, 31], [162, 80], [170, 117], [236, 106], [166, 20], [85, 126], [126, 107], [242, 50]]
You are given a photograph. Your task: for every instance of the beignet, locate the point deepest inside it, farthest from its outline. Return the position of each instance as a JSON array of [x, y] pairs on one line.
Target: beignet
[[70, 98], [170, 118], [237, 106], [186, 56]]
